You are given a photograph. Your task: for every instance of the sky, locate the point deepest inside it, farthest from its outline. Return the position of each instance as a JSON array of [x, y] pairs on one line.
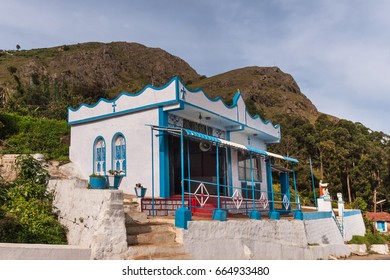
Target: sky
[[337, 51]]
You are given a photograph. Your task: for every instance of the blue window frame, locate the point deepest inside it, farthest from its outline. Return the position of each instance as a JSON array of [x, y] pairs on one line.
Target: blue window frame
[[99, 156], [119, 153]]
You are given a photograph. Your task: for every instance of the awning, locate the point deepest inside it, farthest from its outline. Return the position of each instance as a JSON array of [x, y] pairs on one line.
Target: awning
[[201, 136]]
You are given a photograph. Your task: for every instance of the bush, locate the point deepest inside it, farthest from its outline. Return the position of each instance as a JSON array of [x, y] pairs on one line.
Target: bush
[[28, 213]]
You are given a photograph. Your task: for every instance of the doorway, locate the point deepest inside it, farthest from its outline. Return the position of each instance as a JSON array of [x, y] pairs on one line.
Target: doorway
[[202, 165]]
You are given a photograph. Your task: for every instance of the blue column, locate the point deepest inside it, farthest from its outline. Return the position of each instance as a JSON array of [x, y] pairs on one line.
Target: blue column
[[272, 213], [151, 139], [189, 174], [218, 214], [253, 214], [163, 156], [183, 215]]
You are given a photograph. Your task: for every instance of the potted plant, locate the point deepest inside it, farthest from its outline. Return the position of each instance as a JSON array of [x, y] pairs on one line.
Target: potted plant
[[114, 178], [140, 190], [97, 181]]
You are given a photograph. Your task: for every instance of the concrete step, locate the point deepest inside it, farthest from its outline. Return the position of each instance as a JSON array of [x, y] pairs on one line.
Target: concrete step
[[136, 217], [152, 238], [134, 229], [154, 252]]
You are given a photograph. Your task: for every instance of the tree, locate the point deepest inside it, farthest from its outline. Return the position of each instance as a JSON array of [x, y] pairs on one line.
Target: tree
[[18, 47]]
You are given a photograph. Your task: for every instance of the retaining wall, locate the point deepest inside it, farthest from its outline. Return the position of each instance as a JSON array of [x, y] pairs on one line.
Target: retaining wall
[[94, 218], [264, 239], [13, 251], [353, 224]]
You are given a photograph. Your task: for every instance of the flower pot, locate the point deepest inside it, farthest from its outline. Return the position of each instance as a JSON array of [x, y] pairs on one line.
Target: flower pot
[[113, 181], [97, 182], [140, 192]]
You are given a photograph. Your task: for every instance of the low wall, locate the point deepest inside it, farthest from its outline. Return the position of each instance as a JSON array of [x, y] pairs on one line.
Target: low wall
[[260, 239], [14, 251], [94, 218], [353, 224]]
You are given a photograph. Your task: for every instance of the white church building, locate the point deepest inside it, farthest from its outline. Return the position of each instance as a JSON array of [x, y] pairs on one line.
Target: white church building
[[188, 150]]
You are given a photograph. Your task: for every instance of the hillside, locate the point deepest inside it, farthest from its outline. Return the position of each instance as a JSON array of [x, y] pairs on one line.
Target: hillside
[[48, 80], [38, 85]]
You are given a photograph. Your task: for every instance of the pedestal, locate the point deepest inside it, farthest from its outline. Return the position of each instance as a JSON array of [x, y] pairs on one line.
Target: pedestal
[[255, 215], [274, 215], [182, 217], [219, 215]]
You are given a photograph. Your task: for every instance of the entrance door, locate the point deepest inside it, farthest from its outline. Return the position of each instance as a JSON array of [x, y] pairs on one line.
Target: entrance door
[[202, 165]]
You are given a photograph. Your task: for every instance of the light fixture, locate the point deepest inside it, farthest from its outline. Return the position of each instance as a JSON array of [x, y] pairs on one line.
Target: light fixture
[[208, 118]]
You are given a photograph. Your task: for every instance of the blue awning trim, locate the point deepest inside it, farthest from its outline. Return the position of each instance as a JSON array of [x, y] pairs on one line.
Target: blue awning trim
[[235, 145], [202, 136]]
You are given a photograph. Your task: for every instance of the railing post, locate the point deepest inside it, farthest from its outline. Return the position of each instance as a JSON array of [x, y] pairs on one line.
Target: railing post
[[218, 214]]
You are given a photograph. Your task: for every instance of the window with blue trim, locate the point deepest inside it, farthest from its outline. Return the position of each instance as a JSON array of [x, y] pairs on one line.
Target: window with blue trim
[[244, 167], [99, 148], [119, 154]]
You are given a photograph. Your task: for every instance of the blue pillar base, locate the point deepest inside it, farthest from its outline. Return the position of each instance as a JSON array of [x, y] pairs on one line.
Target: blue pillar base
[[274, 215], [182, 216], [298, 215], [219, 215], [255, 215]]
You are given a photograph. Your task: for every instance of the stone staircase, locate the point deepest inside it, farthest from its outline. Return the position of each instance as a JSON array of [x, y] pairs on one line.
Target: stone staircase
[[150, 238]]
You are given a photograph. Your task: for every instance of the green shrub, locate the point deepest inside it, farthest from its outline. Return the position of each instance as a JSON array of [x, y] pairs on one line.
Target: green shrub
[[28, 135], [28, 212]]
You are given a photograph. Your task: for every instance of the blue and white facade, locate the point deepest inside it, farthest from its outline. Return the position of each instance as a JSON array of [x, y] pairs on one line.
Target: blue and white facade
[[140, 134]]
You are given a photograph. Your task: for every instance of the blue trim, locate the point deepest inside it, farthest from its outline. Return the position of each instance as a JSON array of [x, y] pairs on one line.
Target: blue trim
[[174, 79], [113, 152], [202, 136], [316, 215], [352, 213], [164, 156], [234, 121], [124, 112], [93, 154], [152, 142], [230, 168]]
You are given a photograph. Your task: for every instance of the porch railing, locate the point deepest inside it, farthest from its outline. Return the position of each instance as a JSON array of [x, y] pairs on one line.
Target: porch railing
[[203, 198]]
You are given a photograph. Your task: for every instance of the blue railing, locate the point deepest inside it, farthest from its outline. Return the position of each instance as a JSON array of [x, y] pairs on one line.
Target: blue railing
[[204, 197]]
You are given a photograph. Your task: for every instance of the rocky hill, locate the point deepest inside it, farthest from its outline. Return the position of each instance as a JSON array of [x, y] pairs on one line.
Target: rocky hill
[[47, 81]]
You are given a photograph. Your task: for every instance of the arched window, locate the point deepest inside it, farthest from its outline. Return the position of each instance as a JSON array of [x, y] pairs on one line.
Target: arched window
[[119, 153], [99, 156]]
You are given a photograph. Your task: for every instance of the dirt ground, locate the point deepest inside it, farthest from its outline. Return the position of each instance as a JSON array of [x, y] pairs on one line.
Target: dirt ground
[[369, 257]]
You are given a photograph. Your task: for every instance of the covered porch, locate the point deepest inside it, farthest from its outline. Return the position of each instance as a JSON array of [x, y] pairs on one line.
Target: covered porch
[[214, 194]]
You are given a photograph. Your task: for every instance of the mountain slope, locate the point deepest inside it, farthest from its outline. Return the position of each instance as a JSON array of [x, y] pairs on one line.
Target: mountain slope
[[46, 81]]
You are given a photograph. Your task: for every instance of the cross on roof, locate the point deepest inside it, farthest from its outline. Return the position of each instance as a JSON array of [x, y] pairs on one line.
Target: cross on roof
[[113, 106], [183, 92]]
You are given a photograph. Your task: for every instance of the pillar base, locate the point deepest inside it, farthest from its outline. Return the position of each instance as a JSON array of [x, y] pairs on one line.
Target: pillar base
[[219, 215], [255, 215], [182, 217], [298, 215], [274, 215]]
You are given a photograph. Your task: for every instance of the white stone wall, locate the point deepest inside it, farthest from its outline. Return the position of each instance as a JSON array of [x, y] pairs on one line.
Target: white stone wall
[[323, 231], [138, 147], [353, 225], [12, 251], [251, 239], [94, 218]]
